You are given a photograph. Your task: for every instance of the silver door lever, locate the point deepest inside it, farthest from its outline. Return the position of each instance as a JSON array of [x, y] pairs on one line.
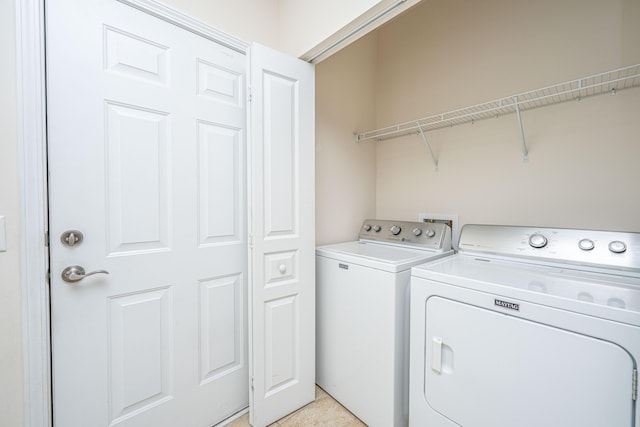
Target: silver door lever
[[75, 273]]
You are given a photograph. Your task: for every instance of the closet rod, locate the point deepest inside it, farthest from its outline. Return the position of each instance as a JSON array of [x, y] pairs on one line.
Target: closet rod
[[606, 82]]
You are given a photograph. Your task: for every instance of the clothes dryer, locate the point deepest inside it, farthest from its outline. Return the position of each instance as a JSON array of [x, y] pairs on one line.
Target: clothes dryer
[[362, 315], [527, 327]]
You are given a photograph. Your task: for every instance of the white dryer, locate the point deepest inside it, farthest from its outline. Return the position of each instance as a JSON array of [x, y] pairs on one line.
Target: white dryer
[[362, 319], [527, 327]]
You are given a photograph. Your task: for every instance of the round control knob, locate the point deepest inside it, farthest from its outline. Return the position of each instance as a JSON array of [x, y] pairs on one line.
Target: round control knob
[[617, 247], [367, 227], [430, 232], [586, 244], [395, 230], [537, 240], [417, 231], [377, 228]]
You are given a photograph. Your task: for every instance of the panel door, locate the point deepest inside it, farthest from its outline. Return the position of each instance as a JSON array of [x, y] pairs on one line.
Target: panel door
[[282, 333], [485, 368], [147, 160]]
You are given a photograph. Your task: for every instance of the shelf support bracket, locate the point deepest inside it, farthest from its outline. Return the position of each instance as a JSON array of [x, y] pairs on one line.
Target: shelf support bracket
[[426, 142], [525, 153]]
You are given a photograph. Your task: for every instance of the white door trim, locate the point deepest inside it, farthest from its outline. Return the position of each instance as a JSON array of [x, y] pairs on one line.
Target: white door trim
[[32, 146], [188, 23]]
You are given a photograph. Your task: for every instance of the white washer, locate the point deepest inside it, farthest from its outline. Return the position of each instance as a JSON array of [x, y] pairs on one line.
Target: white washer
[[362, 316], [527, 327]]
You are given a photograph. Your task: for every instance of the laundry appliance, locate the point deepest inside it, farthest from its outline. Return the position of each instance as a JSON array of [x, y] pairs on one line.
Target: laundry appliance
[[527, 327], [362, 319]]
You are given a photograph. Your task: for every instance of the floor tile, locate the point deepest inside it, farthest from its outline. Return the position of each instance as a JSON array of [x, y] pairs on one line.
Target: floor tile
[[243, 421], [324, 411]]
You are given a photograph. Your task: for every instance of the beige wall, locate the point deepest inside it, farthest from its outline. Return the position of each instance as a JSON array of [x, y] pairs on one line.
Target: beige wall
[[306, 24], [345, 170], [10, 302], [447, 54], [291, 26], [249, 20]]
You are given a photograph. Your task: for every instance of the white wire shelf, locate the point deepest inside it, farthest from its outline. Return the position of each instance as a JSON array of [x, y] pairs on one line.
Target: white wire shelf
[[607, 82]]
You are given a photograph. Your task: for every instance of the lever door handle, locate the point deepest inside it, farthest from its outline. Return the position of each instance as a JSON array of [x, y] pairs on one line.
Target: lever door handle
[[75, 273]]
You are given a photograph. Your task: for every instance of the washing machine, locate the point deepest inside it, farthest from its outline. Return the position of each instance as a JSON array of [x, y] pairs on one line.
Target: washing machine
[[362, 320], [527, 327]]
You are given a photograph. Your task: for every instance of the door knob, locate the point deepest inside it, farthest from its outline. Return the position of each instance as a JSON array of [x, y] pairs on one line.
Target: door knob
[[75, 273]]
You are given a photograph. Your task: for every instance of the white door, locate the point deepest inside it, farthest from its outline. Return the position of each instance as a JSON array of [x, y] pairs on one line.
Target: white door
[[147, 160], [282, 325], [484, 368]]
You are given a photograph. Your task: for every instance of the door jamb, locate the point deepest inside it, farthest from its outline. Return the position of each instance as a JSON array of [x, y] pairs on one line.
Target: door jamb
[[32, 164]]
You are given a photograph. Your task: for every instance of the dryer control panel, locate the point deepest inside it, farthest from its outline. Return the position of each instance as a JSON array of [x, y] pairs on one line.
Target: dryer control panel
[[600, 249], [432, 235]]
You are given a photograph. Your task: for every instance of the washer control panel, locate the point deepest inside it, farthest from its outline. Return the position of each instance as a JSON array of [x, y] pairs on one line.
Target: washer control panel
[[607, 249], [427, 235]]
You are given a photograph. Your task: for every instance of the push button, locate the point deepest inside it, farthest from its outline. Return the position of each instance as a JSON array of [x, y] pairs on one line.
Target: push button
[[617, 247], [537, 240], [586, 244]]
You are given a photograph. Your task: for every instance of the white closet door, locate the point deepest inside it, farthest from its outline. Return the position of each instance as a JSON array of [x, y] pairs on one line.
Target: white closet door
[[282, 325], [147, 159]]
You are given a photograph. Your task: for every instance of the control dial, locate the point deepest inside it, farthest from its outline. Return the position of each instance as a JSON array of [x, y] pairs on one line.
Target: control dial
[[586, 244], [377, 228], [417, 231], [617, 247], [395, 230], [537, 240], [367, 227], [430, 232]]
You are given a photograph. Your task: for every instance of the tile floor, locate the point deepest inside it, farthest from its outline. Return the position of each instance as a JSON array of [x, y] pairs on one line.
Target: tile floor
[[323, 412]]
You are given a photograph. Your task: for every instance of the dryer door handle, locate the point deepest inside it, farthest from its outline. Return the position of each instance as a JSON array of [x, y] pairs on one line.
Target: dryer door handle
[[436, 354]]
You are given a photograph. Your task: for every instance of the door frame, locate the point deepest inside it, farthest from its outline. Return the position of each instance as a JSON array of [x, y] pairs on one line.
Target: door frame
[[32, 166]]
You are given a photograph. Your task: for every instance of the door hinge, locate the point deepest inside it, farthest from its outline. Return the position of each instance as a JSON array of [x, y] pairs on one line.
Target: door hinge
[[46, 239], [634, 385], [250, 240], [250, 95], [251, 383]]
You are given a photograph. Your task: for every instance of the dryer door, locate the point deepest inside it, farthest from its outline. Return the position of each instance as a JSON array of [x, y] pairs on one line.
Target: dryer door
[[485, 368]]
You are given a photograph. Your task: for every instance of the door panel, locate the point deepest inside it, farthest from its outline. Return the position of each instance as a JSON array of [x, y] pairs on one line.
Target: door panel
[[219, 183], [147, 158], [221, 320], [282, 331], [137, 203], [140, 352], [280, 154], [487, 368]]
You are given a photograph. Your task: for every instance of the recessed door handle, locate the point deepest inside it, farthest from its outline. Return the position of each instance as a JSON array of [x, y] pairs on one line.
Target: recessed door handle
[[436, 354], [75, 273]]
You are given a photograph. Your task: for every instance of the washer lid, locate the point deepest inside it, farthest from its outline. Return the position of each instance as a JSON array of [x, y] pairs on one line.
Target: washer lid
[[379, 256]]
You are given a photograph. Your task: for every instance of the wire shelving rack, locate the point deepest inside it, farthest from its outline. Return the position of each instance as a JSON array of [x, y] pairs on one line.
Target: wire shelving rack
[[597, 84]]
